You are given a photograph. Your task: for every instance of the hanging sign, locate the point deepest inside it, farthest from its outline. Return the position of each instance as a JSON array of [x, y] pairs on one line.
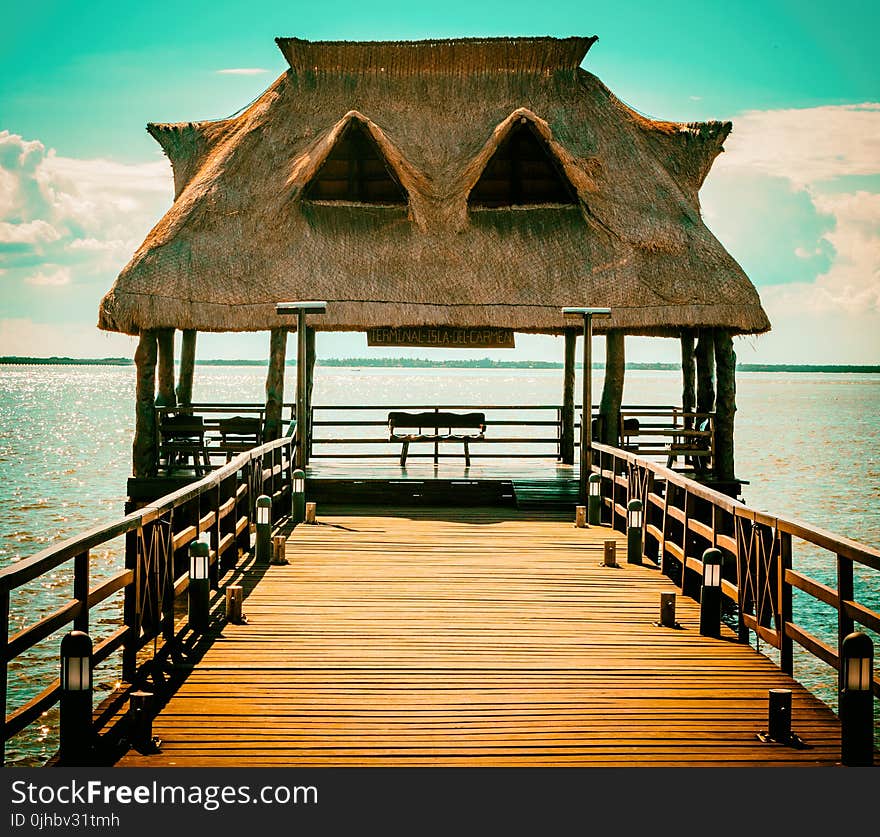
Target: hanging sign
[[441, 337]]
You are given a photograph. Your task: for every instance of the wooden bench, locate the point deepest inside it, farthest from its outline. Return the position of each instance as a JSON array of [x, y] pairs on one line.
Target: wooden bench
[[239, 433], [456, 426], [181, 438]]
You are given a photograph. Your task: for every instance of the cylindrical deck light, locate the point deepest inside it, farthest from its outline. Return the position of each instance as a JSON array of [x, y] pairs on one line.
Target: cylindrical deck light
[[199, 585], [667, 610], [264, 529], [634, 532], [234, 602], [610, 554], [140, 722], [594, 500], [779, 715], [299, 496], [76, 734], [710, 594], [857, 701]]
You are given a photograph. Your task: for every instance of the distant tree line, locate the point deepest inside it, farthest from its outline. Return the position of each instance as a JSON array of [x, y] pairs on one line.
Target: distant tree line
[[425, 363]]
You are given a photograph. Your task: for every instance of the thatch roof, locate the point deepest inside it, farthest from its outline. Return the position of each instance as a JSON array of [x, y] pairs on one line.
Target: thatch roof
[[242, 235]]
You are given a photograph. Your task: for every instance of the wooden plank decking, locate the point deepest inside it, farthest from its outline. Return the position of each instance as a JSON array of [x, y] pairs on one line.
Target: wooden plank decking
[[473, 637]]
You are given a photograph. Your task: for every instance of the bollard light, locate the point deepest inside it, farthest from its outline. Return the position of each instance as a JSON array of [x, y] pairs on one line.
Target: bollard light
[[75, 721], [264, 528], [667, 611], [710, 594], [594, 500], [199, 560], [199, 591], [610, 554], [140, 723], [856, 701], [234, 602], [264, 510], [779, 715], [634, 532], [299, 496]]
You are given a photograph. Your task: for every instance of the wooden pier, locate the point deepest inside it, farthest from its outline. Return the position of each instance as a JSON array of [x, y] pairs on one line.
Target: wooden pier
[[472, 637], [445, 634]]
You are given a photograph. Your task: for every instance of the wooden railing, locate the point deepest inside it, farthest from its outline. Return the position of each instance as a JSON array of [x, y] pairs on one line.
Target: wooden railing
[[155, 572], [682, 519], [524, 430], [519, 435]]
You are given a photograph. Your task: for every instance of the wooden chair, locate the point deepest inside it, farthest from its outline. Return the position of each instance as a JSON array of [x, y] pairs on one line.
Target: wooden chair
[[181, 439], [694, 446], [239, 433], [428, 427]]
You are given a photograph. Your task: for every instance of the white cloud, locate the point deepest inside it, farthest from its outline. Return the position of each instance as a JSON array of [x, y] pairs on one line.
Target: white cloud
[[61, 276], [242, 71], [29, 232], [806, 145], [87, 215], [815, 149], [95, 245]]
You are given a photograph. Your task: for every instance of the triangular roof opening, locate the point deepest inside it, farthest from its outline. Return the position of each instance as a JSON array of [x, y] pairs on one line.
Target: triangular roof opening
[[521, 172], [356, 171]]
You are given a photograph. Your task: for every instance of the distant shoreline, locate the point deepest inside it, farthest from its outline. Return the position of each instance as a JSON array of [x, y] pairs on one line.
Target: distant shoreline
[[424, 363]]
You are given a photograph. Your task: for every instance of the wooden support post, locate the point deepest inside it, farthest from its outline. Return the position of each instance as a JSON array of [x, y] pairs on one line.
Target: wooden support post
[[784, 598], [275, 384], [705, 357], [725, 404], [302, 385], [566, 443], [130, 608], [586, 452], [165, 396], [845, 623], [187, 368], [612, 391], [81, 590], [310, 384], [4, 669], [144, 445], [688, 376]]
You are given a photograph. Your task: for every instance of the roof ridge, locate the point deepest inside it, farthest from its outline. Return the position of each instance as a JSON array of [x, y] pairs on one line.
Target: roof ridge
[[437, 55]]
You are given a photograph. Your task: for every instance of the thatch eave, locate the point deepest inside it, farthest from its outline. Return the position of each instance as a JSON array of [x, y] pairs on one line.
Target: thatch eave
[[240, 235]]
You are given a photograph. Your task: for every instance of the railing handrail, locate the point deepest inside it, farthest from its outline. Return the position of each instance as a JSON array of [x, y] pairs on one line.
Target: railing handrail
[[854, 550], [155, 537], [760, 544], [47, 559]]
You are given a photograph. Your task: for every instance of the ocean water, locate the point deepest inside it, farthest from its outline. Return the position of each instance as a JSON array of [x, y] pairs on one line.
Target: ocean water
[[808, 444]]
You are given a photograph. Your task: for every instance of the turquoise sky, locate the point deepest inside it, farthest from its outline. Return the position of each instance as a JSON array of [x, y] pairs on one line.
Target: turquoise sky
[[84, 78]]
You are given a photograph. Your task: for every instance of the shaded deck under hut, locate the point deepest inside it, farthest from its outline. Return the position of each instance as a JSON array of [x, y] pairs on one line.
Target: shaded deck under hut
[[466, 183]]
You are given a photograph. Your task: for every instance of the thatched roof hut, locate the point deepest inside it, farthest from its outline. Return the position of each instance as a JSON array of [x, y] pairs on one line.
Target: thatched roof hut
[[473, 182]]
